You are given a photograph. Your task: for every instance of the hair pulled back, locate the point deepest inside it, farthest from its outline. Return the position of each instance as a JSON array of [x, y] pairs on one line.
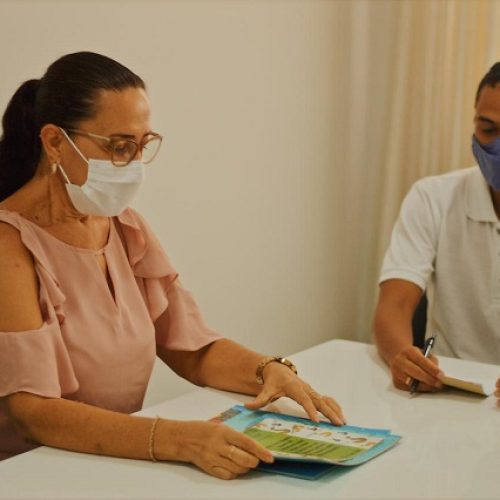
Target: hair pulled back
[[492, 79], [65, 96]]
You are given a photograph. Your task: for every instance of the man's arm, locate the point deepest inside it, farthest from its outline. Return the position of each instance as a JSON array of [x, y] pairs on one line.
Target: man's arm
[[398, 300]]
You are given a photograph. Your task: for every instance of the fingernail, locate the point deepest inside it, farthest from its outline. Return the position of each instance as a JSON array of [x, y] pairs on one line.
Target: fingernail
[[407, 381]]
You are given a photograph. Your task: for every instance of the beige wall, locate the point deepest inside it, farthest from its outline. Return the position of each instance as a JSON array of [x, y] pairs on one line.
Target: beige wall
[[292, 130], [244, 194]]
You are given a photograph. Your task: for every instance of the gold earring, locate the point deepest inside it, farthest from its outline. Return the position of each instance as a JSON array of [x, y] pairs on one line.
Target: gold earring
[[53, 168]]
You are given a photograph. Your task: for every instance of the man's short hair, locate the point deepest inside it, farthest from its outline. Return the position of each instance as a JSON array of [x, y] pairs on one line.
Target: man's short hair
[[492, 79]]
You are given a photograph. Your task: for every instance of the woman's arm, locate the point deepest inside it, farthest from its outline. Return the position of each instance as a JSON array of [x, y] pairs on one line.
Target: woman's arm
[[70, 425], [75, 426], [223, 364], [226, 365]]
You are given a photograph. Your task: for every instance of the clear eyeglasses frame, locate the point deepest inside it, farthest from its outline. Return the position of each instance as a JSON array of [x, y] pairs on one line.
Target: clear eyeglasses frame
[[123, 150]]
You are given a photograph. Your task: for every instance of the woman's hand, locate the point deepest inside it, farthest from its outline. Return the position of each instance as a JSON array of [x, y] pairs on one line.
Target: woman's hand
[[217, 449], [497, 391], [280, 381], [411, 364]]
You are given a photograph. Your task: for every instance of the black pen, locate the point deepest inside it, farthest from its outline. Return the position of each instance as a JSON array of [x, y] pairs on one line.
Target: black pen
[[429, 344]]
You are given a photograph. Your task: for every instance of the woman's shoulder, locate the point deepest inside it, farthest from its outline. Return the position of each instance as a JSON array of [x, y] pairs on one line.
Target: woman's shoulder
[[12, 249], [18, 283], [10, 237], [136, 229], [145, 251], [131, 217]]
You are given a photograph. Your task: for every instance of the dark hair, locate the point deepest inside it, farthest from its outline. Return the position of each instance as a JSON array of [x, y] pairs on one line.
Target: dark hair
[[492, 79], [64, 96]]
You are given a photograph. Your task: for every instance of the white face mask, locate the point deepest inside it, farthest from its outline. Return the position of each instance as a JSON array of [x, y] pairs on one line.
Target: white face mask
[[108, 190]]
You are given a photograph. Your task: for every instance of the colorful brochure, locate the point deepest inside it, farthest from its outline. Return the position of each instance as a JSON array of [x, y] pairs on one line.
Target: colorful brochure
[[306, 449]]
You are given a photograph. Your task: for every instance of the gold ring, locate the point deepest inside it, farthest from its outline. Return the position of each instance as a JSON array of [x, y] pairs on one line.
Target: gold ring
[[231, 451]]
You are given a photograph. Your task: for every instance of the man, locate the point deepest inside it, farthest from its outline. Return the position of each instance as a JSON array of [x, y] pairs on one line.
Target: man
[[446, 243]]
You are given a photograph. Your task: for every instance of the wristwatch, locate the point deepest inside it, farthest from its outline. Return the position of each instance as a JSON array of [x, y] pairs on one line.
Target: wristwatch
[[269, 359]]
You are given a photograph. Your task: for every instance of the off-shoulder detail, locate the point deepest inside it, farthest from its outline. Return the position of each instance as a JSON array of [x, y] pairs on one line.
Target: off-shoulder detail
[[50, 290], [30, 239], [36, 361]]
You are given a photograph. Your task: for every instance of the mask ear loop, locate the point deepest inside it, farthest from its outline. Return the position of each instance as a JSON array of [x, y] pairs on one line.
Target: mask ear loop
[[74, 145], [76, 149], [59, 166]]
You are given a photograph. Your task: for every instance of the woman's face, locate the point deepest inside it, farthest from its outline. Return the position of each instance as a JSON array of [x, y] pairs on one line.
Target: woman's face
[[119, 114]]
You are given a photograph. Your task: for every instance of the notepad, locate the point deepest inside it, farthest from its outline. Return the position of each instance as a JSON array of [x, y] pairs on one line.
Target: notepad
[[306, 449], [478, 386], [479, 378]]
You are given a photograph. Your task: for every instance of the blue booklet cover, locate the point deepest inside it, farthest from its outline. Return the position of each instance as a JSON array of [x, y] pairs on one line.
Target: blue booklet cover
[[306, 449]]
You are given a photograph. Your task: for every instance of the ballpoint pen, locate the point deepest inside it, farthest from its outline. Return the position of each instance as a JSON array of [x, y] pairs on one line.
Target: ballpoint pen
[[429, 344]]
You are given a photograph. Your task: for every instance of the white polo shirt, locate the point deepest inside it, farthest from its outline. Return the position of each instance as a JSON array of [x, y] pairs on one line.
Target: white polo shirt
[[447, 241]]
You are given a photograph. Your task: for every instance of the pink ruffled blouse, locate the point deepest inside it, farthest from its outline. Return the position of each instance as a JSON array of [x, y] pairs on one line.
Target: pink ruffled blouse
[[96, 346]]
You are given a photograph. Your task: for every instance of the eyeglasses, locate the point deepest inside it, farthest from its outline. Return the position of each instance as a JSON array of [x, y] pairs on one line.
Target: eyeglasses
[[124, 150]]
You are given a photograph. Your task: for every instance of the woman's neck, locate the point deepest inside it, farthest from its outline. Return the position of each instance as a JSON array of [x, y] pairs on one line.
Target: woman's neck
[[45, 201]]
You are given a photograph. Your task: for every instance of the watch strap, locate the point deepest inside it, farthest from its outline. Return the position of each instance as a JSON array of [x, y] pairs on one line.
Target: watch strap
[[270, 359]]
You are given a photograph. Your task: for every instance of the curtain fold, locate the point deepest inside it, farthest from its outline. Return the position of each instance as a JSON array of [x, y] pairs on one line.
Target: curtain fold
[[414, 67]]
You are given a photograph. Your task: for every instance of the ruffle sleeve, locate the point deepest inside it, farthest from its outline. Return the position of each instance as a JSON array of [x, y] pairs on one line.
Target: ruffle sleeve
[[178, 321], [37, 361]]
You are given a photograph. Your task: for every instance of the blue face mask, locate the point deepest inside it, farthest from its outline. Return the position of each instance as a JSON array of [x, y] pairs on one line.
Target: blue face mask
[[488, 159]]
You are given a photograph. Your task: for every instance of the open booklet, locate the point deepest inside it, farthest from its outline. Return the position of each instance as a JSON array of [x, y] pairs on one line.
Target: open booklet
[[479, 378], [306, 449]]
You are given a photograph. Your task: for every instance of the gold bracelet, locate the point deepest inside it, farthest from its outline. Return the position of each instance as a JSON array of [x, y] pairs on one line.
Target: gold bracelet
[[259, 373], [152, 440]]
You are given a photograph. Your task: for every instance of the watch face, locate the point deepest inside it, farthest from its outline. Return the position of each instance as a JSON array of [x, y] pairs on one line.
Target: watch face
[[288, 363]]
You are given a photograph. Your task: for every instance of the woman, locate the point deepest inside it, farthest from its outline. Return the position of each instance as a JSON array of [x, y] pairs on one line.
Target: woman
[[87, 295]]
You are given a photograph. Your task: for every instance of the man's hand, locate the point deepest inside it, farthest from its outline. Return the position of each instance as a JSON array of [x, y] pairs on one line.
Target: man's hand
[[411, 364]]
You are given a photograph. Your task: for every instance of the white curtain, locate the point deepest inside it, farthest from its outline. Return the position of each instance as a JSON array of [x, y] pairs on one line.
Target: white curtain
[[412, 71]]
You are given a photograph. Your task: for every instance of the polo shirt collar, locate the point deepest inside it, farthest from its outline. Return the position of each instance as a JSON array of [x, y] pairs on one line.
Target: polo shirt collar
[[479, 205]]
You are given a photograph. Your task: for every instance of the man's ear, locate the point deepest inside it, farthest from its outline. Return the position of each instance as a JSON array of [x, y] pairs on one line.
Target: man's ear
[[51, 138]]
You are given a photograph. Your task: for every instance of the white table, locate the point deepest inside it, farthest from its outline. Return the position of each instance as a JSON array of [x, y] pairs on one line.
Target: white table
[[450, 446]]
